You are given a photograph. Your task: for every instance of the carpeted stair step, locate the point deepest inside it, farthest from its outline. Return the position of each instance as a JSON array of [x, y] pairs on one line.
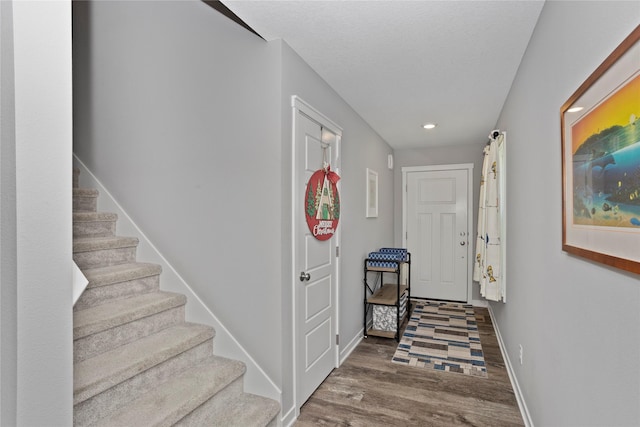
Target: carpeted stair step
[[136, 361], [97, 224], [92, 252], [251, 409], [106, 382], [85, 199], [244, 410], [110, 325], [118, 281], [216, 380]]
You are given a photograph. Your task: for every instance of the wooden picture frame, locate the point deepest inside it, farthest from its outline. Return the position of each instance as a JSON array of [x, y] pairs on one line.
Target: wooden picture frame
[[372, 194], [600, 133]]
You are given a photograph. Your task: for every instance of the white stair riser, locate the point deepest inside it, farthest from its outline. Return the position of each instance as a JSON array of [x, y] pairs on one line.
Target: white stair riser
[[94, 228], [104, 257], [115, 337], [100, 405], [210, 413], [93, 296]]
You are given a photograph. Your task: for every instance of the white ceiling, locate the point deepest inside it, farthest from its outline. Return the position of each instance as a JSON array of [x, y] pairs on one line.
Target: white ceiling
[[401, 64]]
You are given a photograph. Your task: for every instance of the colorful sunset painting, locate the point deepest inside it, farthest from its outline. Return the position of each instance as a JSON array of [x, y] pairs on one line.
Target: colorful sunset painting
[[606, 161]]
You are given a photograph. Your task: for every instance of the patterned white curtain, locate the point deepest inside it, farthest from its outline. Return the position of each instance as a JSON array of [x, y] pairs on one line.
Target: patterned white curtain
[[487, 268]]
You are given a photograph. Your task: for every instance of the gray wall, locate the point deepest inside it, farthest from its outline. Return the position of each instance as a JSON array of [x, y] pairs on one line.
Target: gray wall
[[464, 153], [186, 119], [578, 321], [8, 239], [36, 373], [177, 113]]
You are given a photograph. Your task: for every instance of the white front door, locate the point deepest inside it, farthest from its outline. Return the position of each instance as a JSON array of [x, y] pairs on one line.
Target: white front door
[[437, 232], [315, 262]]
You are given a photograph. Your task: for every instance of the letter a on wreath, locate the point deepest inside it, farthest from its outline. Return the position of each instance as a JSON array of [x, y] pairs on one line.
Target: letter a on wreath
[[322, 203]]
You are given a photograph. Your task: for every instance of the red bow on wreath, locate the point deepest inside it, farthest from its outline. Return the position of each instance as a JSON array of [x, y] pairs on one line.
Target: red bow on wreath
[[331, 175]]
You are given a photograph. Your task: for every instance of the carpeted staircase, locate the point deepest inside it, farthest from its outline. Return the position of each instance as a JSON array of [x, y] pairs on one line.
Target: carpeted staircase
[[137, 362]]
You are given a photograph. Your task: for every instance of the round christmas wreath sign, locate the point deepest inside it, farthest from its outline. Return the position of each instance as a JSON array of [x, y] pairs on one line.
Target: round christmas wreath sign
[[322, 203]]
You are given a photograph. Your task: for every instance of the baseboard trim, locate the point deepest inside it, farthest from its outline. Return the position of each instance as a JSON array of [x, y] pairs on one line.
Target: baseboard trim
[[348, 349], [524, 411], [289, 418], [256, 380]]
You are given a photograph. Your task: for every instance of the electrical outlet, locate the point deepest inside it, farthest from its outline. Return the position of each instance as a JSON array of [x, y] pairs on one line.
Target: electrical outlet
[[521, 353]]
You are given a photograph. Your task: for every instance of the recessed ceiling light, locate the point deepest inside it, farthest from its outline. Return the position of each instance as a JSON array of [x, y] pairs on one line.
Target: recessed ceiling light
[[429, 126], [575, 109]]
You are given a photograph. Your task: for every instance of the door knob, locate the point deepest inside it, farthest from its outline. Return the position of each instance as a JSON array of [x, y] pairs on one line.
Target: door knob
[[462, 243], [304, 276]]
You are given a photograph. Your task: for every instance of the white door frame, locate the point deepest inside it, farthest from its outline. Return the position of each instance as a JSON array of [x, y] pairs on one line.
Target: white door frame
[[298, 105], [470, 235]]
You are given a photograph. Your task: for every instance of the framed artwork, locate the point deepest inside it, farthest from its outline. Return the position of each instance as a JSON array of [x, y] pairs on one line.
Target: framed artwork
[[372, 193], [601, 162]]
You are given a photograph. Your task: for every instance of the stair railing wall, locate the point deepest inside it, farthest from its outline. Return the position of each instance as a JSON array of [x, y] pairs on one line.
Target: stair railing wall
[[256, 380]]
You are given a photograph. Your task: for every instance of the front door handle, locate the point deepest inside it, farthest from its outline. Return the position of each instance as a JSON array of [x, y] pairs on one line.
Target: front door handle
[[304, 276]]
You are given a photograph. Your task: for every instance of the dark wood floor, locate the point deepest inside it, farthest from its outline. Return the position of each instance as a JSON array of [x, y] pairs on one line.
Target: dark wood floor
[[369, 390]]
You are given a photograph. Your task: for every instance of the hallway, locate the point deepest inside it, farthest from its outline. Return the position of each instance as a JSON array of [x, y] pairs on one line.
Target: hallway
[[369, 390]]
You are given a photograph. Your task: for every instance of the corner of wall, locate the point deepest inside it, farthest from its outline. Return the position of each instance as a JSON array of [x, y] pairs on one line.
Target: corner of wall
[[8, 235], [512, 375]]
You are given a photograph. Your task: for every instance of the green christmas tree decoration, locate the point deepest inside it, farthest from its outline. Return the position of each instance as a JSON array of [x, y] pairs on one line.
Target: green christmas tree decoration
[[311, 206]]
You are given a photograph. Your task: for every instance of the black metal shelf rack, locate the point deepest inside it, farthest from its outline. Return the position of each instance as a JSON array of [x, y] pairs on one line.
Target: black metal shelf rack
[[389, 294]]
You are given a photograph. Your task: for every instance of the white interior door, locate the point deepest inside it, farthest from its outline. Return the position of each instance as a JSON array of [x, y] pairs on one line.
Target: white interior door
[[315, 262], [436, 233]]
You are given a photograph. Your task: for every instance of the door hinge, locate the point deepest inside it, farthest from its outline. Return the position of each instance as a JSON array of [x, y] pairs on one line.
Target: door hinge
[[337, 339], [337, 251], [406, 235]]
